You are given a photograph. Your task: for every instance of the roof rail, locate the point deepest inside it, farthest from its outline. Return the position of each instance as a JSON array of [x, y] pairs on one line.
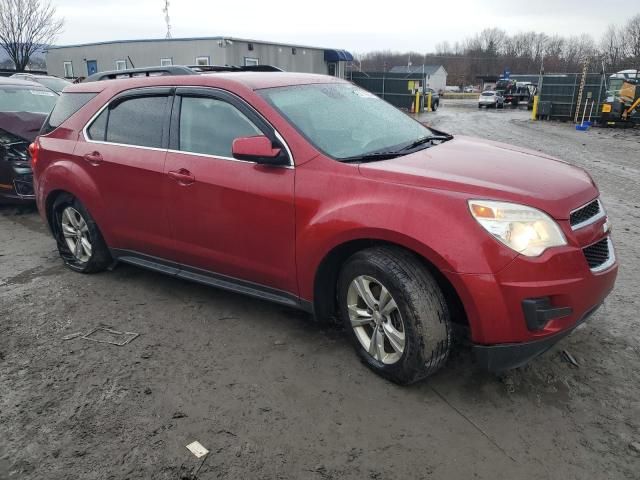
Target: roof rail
[[141, 72], [173, 70], [234, 68]]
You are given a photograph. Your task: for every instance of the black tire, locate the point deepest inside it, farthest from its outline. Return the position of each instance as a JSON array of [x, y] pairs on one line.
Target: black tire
[[100, 257], [422, 306], [479, 106], [434, 106]]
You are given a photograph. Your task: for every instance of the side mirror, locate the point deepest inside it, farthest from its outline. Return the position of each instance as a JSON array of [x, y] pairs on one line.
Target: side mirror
[[258, 149]]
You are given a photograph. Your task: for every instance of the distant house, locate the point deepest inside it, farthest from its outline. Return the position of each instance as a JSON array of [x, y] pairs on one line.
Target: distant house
[[435, 75]]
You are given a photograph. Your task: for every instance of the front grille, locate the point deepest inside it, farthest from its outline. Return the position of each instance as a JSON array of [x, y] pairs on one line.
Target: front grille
[[586, 213], [598, 254], [24, 185]]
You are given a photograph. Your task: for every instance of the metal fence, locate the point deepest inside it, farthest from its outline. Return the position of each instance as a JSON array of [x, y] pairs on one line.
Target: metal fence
[[559, 91], [392, 87], [562, 91]]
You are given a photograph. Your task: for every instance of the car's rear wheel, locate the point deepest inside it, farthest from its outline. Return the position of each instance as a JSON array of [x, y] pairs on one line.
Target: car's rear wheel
[[434, 106], [394, 313], [80, 242]]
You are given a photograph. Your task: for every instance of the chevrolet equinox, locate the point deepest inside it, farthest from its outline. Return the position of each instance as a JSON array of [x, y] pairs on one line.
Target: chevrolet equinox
[[308, 191]]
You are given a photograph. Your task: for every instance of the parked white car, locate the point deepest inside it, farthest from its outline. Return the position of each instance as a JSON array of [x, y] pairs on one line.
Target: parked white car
[[491, 99]]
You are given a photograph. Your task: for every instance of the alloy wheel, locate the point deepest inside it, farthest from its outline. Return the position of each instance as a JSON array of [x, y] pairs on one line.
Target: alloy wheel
[[376, 319], [76, 234]]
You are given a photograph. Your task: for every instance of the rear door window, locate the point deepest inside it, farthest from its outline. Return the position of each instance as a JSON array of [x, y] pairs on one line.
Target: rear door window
[[66, 105], [137, 121], [209, 126]]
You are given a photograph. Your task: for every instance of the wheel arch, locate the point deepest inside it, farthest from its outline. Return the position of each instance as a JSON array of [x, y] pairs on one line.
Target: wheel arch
[[50, 200], [326, 279], [77, 184]]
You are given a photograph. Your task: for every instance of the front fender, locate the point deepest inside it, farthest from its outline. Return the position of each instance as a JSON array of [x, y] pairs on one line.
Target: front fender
[[333, 208]]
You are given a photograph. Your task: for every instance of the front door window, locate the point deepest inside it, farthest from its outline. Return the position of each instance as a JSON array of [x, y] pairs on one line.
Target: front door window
[[209, 126]]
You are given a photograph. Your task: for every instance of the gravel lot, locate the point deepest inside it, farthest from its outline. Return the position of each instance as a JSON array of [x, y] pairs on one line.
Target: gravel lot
[[273, 395]]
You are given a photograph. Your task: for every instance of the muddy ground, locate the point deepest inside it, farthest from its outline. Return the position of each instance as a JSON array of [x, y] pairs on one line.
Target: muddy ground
[[273, 395]]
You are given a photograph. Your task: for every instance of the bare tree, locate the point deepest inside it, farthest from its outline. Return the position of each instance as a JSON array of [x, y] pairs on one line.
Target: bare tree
[[26, 26], [491, 50], [491, 40], [443, 48], [612, 46], [632, 37]]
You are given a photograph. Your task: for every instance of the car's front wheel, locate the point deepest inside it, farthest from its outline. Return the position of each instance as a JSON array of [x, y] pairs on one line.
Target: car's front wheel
[[80, 242], [395, 314]]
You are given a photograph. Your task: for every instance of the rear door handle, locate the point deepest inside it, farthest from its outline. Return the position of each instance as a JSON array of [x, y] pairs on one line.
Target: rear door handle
[[94, 158], [182, 176]]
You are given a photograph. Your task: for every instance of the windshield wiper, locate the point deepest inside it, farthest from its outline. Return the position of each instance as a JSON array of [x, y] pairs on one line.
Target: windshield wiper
[[429, 138], [372, 157], [388, 154]]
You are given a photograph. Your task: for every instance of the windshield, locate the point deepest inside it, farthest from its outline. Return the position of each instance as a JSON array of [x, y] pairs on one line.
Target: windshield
[[26, 99], [53, 83], [343, 120]]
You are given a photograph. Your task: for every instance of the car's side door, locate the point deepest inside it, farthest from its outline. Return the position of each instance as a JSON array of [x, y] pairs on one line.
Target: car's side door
[[235, 218], [123, 154]]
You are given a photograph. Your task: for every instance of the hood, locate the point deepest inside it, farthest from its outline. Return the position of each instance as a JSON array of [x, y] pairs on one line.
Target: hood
[[491, 170], [25, 125]]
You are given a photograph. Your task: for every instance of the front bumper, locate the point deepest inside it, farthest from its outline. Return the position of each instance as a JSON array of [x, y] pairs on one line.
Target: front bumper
[[16, 184], [498, 358], [526, 307], [15, 195]]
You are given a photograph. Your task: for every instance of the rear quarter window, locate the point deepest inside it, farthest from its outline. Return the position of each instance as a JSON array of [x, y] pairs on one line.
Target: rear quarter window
[[66, 106]]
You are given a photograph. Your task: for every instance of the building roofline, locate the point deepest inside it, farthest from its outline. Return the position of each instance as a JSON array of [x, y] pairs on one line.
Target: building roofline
[[185, 39], [418, 68]]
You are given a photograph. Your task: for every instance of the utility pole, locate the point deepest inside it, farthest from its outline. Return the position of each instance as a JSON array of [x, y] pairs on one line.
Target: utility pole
[[167, 20]]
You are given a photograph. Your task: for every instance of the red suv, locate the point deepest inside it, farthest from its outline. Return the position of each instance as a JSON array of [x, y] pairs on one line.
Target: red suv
[[311, 192]]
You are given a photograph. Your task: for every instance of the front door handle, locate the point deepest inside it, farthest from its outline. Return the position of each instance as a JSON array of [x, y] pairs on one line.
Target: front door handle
[[94, 158], [182, 176]]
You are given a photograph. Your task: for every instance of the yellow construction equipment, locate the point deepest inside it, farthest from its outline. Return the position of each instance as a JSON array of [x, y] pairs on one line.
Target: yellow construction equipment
[[623, 99]]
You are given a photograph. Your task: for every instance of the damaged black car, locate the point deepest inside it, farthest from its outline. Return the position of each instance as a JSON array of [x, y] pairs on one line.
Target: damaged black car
[[23, 108]]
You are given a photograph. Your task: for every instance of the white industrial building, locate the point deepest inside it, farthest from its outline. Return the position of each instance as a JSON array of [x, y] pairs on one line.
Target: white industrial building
[[73, 61]]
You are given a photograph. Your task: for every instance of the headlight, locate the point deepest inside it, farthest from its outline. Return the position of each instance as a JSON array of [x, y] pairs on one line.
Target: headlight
[[524, 229]]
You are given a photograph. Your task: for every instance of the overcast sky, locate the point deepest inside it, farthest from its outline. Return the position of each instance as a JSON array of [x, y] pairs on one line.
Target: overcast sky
[[352, 25]]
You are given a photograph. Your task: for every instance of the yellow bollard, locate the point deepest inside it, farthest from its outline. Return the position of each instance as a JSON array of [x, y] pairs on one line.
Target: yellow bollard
[[417, 102], [429, 102], [534, 111]]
